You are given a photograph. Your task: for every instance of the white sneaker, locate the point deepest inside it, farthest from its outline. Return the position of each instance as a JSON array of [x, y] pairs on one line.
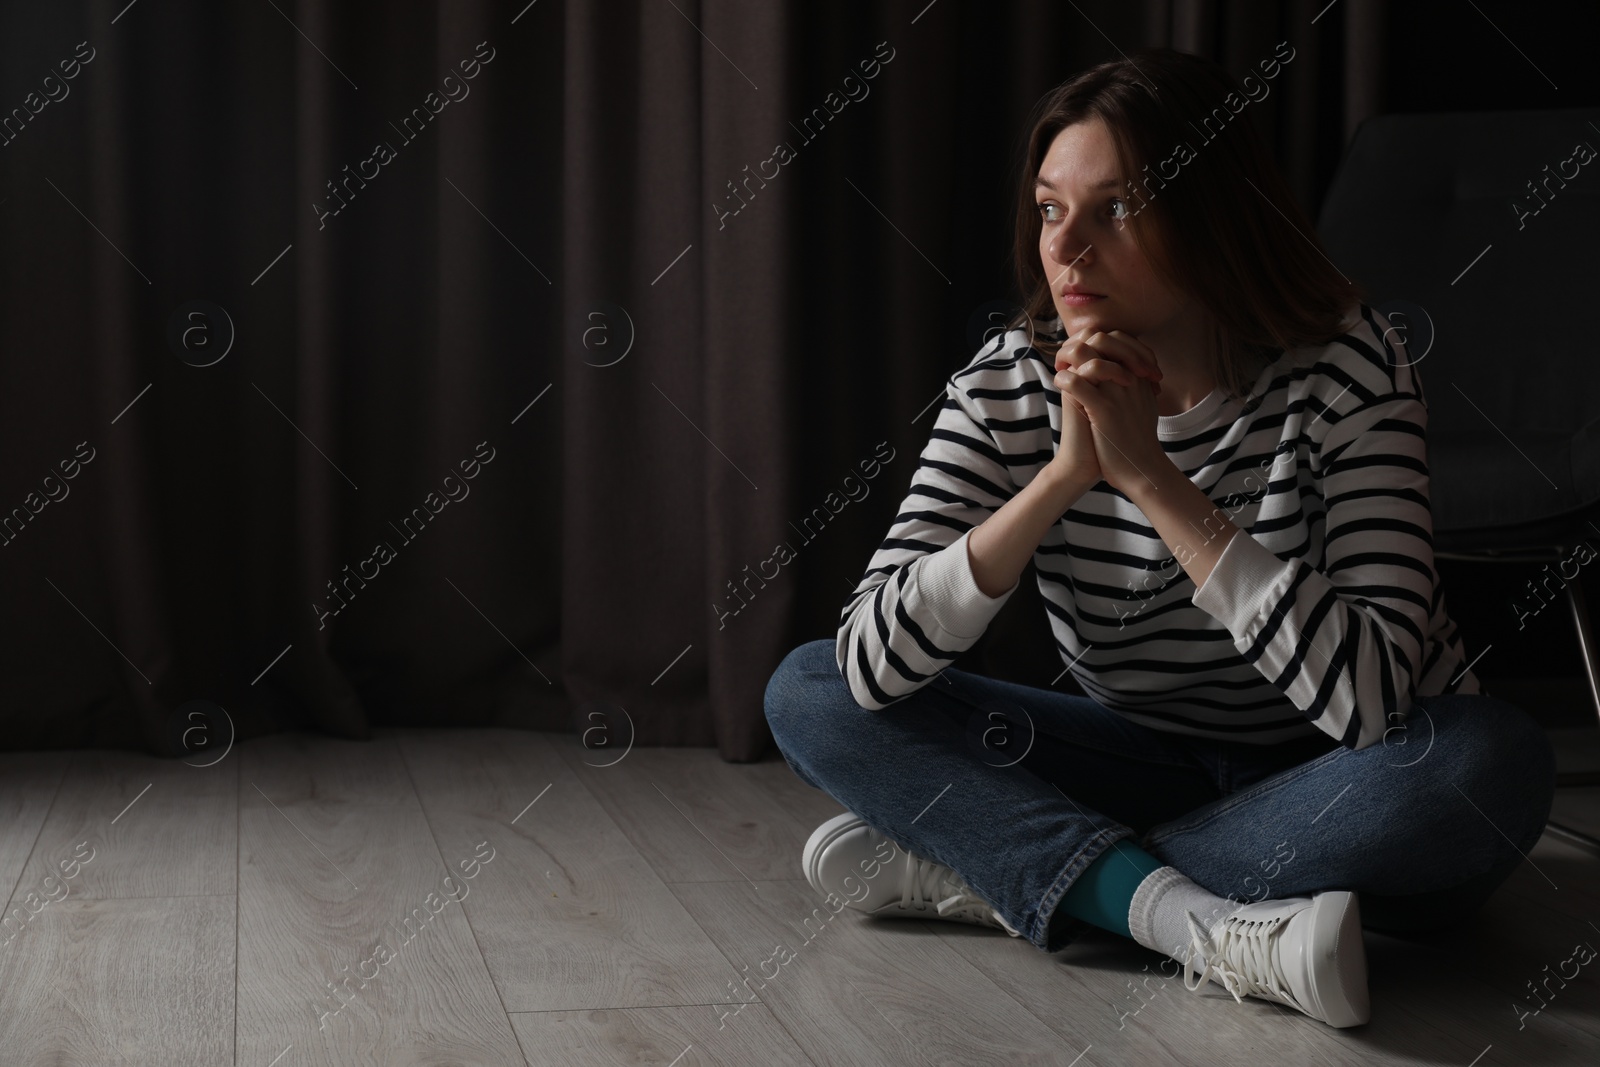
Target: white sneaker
[[1305, 952], [872, 874]]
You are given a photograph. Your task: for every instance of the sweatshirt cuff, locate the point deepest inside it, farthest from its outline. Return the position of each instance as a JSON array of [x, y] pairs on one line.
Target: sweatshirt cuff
[[1247, 581], [945, 584]]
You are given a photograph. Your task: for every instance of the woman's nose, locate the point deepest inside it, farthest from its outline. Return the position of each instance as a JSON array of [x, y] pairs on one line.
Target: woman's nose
[[1066, 248]]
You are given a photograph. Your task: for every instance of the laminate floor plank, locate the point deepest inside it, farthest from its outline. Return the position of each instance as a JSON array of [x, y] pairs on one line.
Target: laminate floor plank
[[692, 815], [1427, 1008], [1566, 879], [353, 945], [853, 989], [808, 804], [1419, 999], [571, 916], [126, 982], [289, 768], [1519, 944], [28, 785], [155, 828], [1131, 1004], [605, 1037], [649, 912]]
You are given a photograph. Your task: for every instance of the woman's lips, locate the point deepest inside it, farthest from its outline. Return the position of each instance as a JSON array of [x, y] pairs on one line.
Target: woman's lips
[[1080, 299]]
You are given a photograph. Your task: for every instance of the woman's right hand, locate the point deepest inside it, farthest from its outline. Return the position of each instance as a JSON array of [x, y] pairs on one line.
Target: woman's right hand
[[1075, 454]]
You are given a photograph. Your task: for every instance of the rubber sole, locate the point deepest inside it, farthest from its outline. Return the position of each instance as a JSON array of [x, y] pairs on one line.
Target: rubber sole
[[820, 839], [1336, 920]]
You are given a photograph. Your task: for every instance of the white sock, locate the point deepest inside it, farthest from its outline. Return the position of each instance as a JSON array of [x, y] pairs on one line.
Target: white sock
[[1156, 913]]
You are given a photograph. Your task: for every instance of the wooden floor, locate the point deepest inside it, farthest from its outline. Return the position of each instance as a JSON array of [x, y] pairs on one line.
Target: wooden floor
[[168, 914]]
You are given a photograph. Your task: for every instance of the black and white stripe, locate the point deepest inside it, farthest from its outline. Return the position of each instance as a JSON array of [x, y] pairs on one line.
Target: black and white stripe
[[1325, 612]]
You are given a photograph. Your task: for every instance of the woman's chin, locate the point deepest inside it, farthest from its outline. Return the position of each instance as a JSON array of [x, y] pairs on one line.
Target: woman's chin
[[1085, 320]]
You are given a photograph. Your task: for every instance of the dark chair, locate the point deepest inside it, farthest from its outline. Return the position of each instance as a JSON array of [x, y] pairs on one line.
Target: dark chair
[[1475, 233]]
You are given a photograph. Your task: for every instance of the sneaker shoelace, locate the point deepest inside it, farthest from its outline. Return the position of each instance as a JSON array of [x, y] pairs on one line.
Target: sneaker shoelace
[[924, 882], [1238, 952]]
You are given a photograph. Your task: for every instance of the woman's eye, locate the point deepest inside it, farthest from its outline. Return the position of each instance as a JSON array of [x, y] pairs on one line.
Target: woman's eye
[[1118, 204]]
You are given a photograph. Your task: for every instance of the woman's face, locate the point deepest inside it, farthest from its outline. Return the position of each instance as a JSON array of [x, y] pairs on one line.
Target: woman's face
[[1086, 242]]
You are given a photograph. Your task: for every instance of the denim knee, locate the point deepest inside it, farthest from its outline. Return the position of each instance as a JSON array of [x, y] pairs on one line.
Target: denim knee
[[1498, 757], [801, 669], [805, 682]]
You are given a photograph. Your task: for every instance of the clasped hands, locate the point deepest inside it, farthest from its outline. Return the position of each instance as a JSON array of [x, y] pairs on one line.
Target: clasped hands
[[1108, 383]]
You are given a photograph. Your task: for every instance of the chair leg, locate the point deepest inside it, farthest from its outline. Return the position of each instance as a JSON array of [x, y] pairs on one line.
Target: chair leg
[[1591, 667], [1586, 641], [1590, 654]]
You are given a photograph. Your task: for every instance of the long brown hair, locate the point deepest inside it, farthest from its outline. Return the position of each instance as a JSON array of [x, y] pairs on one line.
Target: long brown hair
[[1225, 227]]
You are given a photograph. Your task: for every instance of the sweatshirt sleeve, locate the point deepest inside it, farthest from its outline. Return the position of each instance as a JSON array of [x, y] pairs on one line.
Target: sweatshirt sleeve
[[918, 606], [1344, 641]]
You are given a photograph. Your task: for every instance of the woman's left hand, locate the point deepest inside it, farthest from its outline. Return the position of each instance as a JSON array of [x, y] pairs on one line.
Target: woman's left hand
[[1122, 417]]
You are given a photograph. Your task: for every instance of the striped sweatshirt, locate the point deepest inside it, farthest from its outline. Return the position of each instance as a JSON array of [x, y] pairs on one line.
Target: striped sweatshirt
[[1324, 612]]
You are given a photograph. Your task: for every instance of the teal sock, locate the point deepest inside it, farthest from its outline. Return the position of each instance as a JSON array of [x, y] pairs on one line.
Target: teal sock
[[1102, 893]]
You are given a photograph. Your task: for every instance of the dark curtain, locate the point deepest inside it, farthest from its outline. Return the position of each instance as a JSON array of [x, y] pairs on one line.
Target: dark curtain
[[467, 363]]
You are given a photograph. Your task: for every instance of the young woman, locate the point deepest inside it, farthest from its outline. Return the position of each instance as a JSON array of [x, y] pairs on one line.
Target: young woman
[[1214, 453]]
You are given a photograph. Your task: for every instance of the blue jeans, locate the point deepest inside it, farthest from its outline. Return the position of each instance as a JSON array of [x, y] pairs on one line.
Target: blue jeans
[[1019, 789]]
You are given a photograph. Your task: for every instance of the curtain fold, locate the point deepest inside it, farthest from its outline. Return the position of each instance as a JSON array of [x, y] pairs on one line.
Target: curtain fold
[[300, 385], [550, 374]]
